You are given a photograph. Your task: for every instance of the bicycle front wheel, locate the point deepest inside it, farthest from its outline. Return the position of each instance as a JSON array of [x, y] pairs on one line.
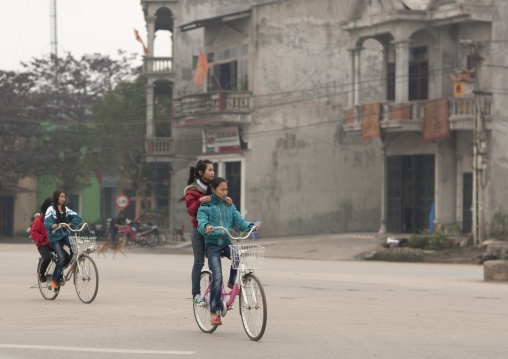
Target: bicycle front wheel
[[45, 287], [202, 313], [86, 279], [253, 307]]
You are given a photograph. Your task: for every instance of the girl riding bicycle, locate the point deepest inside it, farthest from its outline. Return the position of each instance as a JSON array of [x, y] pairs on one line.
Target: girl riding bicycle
[[198, 191], [58, 213], [40, 237], [212, 214]]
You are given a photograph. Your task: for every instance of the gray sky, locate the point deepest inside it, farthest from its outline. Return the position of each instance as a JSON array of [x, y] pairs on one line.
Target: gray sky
[[83, 26]]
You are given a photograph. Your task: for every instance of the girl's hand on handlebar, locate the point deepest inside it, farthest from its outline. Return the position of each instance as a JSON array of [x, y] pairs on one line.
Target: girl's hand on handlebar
[[205, 199], [257, 228], [209, 229]]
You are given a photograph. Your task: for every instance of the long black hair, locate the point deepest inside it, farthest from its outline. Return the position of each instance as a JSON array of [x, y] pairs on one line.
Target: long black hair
[[201, 165], [60, 217], [45, 205]]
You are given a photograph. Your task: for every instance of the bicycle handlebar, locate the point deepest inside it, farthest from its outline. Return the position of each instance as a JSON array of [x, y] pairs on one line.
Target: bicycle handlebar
[[239, 237], [78, 229]]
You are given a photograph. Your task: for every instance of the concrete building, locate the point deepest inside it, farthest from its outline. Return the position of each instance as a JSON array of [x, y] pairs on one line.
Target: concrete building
[[281, 110]]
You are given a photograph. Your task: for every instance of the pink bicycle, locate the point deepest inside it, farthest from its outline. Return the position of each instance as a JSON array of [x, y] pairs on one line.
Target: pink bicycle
[[252, 297]]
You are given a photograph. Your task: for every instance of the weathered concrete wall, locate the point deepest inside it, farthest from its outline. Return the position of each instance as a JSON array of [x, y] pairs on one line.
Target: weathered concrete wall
[[497, 194], [308, 179]]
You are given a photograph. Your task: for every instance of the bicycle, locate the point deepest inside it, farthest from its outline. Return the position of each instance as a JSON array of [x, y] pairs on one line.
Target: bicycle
[[84, 269], [252, 299]]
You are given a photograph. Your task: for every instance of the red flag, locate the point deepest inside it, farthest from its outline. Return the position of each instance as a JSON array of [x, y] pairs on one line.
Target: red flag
[[201, 69], [145, 50]]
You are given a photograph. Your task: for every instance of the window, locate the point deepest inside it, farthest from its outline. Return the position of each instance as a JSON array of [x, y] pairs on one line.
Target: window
[[230, 70], [418, 73], [390, 74]]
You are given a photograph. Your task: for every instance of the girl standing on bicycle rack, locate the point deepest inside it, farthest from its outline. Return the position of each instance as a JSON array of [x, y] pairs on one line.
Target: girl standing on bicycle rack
[[212, 214], [58, 213], [198, 191], [40, 237]]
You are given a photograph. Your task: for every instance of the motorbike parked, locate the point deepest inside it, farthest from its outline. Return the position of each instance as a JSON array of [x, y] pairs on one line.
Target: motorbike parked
[[137, 235]]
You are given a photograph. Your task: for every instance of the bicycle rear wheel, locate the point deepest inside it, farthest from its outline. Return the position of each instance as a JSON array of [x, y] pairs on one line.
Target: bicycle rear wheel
[[45, 288], [253, 311], [202, 313], [86, 279]]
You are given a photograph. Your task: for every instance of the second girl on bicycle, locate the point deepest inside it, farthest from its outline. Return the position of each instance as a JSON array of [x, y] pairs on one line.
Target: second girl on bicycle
[[57, 214], [212, 214]]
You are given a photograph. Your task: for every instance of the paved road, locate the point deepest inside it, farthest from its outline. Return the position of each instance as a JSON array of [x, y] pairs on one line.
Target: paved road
[[316, 309]]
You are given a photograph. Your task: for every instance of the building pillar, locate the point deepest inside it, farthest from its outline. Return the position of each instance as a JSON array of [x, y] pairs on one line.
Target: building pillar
[[150, 27], [358, 74], [401, 71], [352, 54], [150, 127]]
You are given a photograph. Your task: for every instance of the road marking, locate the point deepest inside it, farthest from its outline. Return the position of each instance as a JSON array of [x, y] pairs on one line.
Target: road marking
[[103, 350]]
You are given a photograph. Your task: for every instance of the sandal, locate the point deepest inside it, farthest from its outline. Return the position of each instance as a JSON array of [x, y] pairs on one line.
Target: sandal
[[216, 321]]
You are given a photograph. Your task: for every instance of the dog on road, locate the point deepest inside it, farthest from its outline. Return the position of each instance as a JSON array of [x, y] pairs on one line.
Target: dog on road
[[117, 246]]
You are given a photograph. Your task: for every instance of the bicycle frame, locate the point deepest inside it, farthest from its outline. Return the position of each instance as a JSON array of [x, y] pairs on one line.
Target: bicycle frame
[[241, 272]]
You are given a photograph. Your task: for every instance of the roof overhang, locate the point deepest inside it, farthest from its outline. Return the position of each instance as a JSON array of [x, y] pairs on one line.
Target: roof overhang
[[215, 20]]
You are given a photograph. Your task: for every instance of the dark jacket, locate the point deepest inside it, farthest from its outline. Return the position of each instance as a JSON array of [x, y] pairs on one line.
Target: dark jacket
[[216, 213], [38, 232]]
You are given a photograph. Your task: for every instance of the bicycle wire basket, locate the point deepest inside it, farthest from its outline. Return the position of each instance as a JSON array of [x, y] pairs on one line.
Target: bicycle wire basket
[[80, 244], [251, 255]]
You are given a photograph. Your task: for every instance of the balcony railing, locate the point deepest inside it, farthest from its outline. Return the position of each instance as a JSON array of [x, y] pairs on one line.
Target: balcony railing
[[159, 146], [461, 114], [158, 65], [211, 103]]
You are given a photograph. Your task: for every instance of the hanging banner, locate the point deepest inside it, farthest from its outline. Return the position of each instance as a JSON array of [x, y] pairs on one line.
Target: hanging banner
[[435, 120], [370, 120], [222, 139]]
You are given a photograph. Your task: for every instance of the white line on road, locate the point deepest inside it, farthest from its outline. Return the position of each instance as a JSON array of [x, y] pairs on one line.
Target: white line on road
[[104, 350]]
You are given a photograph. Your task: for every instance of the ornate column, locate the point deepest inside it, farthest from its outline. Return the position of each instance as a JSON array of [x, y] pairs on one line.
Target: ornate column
[[150, 28], [401, 70], [358, 74], [150, 127], [352, 54]]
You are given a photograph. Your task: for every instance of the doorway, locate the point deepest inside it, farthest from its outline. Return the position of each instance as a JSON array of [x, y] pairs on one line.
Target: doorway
[[6, 216], [410, 192]]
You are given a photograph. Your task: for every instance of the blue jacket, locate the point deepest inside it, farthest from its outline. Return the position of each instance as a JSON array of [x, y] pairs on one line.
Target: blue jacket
[[50, 220], [216, 213]]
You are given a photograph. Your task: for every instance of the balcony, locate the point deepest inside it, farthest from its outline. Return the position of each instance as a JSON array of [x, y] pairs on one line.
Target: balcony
[[409, 117], [160, 67], [162, 147], [222, 108]]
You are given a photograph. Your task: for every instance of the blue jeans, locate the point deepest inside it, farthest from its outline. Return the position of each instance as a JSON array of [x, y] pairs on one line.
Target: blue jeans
[[63, 258], [198, 247], [214, 263]]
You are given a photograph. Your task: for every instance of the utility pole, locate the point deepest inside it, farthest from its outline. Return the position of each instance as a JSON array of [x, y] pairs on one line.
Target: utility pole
[[479, 146], [53, 35]]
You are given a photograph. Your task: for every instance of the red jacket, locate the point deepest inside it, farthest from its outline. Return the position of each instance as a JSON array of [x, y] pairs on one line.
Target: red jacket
[[192, 197], [39, 233]]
